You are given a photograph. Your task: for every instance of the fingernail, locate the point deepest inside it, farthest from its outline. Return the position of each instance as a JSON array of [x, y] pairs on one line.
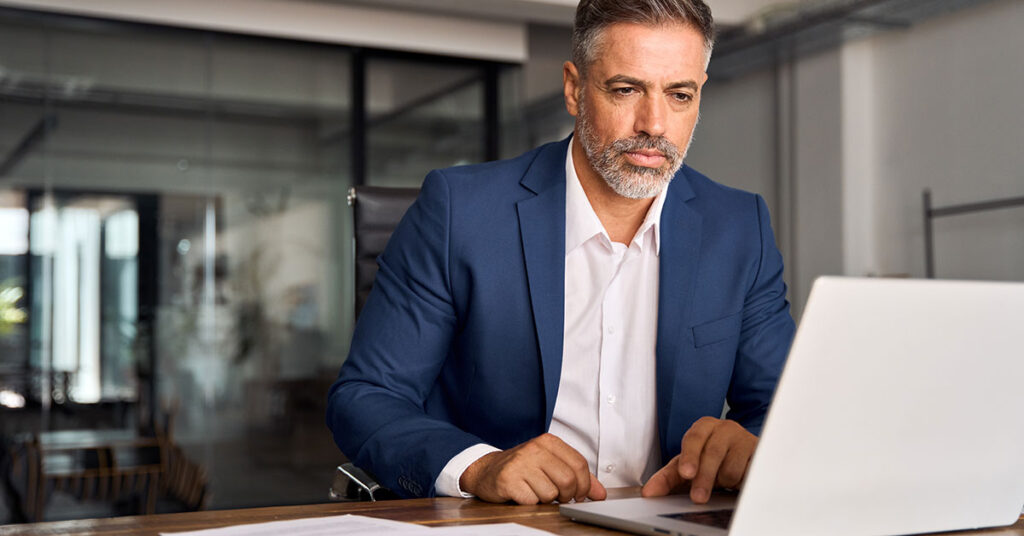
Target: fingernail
[[689, 470], [699, 495]]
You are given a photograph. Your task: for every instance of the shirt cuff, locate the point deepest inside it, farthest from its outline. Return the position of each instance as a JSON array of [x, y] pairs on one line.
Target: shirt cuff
[[447, 482]]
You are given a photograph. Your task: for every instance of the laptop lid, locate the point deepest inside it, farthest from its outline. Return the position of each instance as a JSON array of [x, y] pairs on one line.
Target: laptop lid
[[900, 411]]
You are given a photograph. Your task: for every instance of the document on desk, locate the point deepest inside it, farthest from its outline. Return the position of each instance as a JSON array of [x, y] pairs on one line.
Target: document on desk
[[348, 525], [495, 529], [352, 525]]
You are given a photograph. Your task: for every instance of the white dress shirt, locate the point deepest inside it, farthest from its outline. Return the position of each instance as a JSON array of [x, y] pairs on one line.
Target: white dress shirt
[[606, 406]]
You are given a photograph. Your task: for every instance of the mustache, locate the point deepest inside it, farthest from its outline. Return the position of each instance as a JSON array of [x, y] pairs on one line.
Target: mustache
[[644, 141]]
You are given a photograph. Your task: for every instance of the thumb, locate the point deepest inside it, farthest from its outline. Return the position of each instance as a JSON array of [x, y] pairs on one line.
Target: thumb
[[664, 481], [597, 491]]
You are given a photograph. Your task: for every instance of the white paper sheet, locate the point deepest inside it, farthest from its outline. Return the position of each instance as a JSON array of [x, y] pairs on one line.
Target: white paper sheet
[[349, 525], [496, 529]]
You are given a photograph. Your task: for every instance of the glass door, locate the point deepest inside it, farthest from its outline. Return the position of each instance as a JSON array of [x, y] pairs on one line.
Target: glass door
[[84, 281]]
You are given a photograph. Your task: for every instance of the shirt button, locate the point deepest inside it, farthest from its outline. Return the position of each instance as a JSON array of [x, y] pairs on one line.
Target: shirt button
[[611, 330], [609, 468], [611, 399]]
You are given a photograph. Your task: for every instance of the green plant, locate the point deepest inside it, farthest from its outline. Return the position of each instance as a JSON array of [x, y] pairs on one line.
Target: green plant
[[11, 315]]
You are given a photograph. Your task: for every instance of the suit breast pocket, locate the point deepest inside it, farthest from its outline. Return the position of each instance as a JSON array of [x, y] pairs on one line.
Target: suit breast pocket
[[727, 327]]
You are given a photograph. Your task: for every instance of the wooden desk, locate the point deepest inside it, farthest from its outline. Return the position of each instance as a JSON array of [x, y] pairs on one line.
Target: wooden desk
[[431, 512]]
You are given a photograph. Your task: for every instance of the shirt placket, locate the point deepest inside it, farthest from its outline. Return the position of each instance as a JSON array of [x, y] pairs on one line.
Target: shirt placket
[[610, 419]]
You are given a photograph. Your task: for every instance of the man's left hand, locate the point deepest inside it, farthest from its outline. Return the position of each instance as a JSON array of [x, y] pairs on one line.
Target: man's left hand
[[714, 452]]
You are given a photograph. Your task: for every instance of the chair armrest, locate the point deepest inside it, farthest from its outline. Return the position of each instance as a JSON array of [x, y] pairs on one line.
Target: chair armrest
[[352, 483]]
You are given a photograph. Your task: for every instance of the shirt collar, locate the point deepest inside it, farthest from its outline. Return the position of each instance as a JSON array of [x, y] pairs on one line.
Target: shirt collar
[[582, 223]]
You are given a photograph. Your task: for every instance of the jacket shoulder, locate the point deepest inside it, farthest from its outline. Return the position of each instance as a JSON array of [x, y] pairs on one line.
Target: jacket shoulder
[[717, 196]]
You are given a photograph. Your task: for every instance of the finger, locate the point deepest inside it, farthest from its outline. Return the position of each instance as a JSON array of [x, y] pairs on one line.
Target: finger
[[543, 488], [693, 446], [715, 450], [576, 463], [666, 480], [734, 466], [522, 493], [597, 491], [563, 477]]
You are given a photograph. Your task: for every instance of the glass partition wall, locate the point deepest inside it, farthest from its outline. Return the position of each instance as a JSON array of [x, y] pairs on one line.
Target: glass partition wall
[[175, 243], [422, 116]]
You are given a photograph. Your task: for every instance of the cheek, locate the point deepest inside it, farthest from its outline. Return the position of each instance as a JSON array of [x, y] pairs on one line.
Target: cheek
[[685, 129], [614, 123]]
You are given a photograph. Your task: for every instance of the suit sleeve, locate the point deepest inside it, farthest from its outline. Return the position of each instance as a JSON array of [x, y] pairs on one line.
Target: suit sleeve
[[766, 332], [376, 407]]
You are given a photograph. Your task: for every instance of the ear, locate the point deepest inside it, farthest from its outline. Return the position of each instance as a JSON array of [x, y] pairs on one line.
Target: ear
[[572, 84]]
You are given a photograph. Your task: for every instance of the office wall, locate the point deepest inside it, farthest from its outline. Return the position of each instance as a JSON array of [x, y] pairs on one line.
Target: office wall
[[843, 142], [934, 106], [950, 117], [816, 182], [734, 141]]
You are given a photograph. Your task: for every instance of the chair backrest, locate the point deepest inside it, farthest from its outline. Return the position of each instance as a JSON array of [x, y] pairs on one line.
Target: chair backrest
[[376, 212]]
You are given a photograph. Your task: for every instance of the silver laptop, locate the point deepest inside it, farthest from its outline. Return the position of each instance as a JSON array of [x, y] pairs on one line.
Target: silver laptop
[[900, 411]]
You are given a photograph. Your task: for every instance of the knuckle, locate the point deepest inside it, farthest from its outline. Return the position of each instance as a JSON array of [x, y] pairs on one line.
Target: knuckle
[[564, 479], [528, 450], [509, 465], [730, 476], [504, 490], [734, 428], [715, 450], [504, 482]]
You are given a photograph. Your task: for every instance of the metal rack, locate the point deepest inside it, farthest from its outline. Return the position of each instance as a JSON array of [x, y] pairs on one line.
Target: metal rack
[[930, 213]]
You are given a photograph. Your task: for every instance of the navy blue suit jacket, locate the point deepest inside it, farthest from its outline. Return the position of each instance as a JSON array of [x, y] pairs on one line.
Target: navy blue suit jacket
[[460, 341]]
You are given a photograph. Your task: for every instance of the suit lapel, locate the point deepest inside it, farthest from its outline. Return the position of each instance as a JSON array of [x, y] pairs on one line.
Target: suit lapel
[[677, 271], [542, 227]]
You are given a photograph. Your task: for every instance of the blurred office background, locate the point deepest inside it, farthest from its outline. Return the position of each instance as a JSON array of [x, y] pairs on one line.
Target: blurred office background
[[176, 247]]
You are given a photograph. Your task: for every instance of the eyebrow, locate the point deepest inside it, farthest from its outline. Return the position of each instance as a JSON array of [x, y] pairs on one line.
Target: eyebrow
[[621, 78]]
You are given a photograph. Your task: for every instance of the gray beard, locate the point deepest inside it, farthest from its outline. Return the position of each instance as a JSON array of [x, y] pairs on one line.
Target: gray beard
[[628, 180]]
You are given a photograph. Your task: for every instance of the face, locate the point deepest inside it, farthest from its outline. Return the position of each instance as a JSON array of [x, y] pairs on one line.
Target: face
[[637, 104]]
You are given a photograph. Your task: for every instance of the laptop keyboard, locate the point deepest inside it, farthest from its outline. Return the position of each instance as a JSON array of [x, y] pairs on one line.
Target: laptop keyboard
[[711, 518]]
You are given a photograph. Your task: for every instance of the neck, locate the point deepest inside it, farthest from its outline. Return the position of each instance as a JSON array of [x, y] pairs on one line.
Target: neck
[[620, 216]]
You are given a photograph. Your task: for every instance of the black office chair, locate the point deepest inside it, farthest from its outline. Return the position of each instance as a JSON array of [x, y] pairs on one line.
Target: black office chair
[[376, 212]]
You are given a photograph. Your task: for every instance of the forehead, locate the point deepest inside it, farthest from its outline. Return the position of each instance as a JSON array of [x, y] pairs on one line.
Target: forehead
[[669, 51]]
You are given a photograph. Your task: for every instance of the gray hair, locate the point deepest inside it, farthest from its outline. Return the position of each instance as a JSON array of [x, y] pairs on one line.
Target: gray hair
[[593, 16]]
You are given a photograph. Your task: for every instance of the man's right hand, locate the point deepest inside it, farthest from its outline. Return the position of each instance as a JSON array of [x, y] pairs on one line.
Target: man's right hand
[[541, 470]]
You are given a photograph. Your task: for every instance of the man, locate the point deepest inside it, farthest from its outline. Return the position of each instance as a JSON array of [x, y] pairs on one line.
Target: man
[[570, 313]]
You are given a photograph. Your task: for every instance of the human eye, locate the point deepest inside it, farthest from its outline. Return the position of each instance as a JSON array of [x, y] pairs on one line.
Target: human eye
[[682, 97], [624, 91]]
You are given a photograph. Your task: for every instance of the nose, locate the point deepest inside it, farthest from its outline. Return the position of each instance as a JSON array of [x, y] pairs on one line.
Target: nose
[[650, 116]]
